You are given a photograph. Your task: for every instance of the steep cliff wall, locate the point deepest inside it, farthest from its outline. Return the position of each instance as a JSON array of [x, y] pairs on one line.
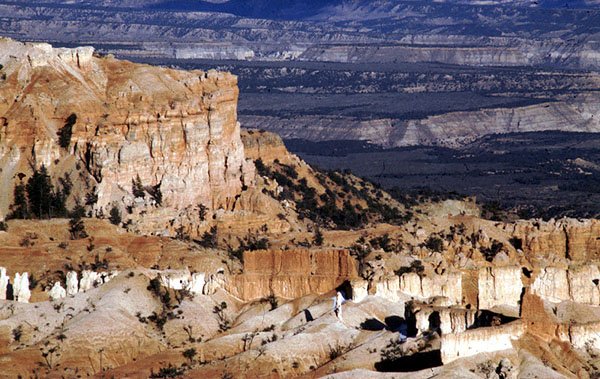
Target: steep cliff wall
[[291, 274], [499, 286], [567, 238], [579, 284], [423, 287], [177, 130], [480, 340]]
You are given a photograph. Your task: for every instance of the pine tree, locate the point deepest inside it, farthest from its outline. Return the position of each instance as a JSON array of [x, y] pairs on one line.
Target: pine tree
[[115, 216], [40, 193], [19, 209]]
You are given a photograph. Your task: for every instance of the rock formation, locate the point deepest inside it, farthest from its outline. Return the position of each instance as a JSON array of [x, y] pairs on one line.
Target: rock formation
[[480, 340], [57, 292], [499, 286], [423, 287], [72, 283], [3, 283], [176, 130], [293, 273], [21, 290], [567, 238]]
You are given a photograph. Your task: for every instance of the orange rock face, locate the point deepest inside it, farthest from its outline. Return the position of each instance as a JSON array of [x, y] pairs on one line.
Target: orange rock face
[[291, 274], [568, 238], [177, 130]]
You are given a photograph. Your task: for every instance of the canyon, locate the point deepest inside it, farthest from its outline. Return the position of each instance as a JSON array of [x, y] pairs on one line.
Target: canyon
[[231, 271], [389, 76]]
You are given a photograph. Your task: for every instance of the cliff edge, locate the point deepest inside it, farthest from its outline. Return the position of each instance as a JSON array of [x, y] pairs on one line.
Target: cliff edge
[[105, 121]]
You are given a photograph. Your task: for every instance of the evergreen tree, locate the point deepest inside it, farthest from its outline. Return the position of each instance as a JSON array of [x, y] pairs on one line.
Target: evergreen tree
[[40, 193], [19, 208], [115, 216]]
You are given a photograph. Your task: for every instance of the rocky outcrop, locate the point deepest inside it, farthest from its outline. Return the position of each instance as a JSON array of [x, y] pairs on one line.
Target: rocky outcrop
[[579, 284], [481, 340], [499, 286], [567, 238], [91, 279], [57, 292], [3, 283], [583, 336], [196, 283], [266, 146], [448, 285], [451, 320], [177, 130], [72, 283], [21, 291], [292, 273]]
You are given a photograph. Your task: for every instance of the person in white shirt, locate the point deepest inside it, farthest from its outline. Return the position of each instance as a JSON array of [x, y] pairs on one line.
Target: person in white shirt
[[338, 300]]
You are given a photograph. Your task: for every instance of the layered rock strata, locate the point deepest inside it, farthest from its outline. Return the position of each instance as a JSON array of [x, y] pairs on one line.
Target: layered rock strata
[[291, 274], [499, 286], [176, 130], [567, 238], [482, 340]]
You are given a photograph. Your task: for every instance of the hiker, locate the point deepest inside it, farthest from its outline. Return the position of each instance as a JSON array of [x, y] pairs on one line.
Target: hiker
[[337, 304]]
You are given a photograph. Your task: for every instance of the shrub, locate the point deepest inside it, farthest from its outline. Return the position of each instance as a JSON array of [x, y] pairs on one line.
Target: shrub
[[415, 266], [137, 188], [190, 354], [219, 310], [490, 252], [272, 300], [202, 210], [209, 238], [156, 194], [76, 225], [167, 372], [17, 333], [435, 244], [318, 238], [337, 351], [91, 198], [115, 215]]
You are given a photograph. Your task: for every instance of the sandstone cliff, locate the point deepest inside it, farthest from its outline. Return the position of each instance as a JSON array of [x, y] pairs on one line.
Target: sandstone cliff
[[292, 274], [177, 130]]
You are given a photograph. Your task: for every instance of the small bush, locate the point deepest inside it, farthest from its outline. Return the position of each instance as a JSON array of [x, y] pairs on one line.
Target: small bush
[[115, 215], [17, 333], [209, 239], [318, 237], [77, 228], [167, 372], [137, 188], [337, 351], [435, 244], [190, 354], [415, 266], [219, 310]]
